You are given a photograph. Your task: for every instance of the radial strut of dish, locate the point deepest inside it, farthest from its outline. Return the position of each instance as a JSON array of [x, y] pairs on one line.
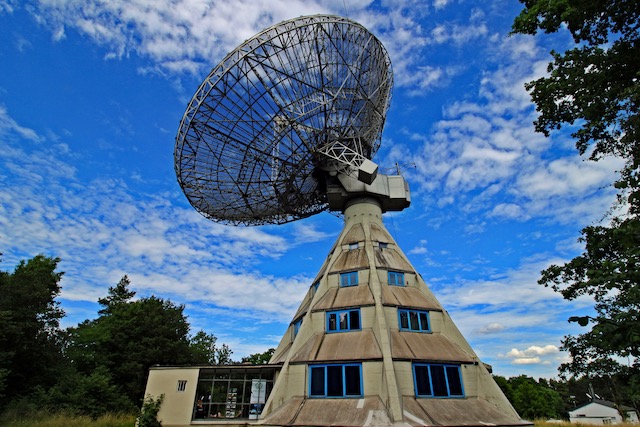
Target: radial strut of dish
[[302, 99]]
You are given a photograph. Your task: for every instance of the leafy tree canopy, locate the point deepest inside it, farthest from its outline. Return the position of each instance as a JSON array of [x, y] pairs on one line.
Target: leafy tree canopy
[[120, 294], [596, 84], [206, 352], [530, 398], [259, 358], [29, 321], [595, 87]]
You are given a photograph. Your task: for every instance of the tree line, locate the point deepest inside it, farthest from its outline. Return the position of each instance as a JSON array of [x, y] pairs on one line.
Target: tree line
[[554, 398], [100, 365]]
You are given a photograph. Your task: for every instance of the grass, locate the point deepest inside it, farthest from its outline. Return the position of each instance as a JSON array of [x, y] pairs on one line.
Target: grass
[[66, 420], [545, 423]]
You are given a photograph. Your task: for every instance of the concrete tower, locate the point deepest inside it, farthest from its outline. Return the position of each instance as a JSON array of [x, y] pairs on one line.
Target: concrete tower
[[371, 344]]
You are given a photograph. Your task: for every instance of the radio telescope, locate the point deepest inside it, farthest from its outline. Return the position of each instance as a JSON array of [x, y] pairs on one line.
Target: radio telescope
[[284, 121], [285, 127]]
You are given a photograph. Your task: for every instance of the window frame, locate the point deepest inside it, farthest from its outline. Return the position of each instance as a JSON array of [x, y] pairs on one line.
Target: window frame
[[181, 387], [395, 275], [419, 318], [326, 386], [447, 368], [296, 326], [346, 279], [337, 313]]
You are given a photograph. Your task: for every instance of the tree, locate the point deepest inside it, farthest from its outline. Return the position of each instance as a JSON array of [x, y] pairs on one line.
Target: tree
[[531, 399], [30, 346], [607, 271], [120, 294], [595, 86], [205, 351], [129, 339], [259, 358]]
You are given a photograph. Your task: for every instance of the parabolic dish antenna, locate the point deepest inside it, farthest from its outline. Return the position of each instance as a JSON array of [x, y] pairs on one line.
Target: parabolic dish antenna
[[301, 101]]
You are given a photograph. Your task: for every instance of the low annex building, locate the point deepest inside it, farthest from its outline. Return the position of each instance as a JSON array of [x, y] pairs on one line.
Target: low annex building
[[369, 345], [600, 411]]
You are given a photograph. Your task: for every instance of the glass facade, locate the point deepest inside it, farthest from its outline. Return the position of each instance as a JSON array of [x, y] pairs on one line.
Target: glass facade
[[232, 393]]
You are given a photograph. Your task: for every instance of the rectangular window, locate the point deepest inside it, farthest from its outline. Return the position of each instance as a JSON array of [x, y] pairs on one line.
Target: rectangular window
[[182, 385], [349, 279], [315, 286], [413, 320], [343, 320], [296, 327], [335, 380], [353, 246], [395, 278], [432, 380], [383, 245]]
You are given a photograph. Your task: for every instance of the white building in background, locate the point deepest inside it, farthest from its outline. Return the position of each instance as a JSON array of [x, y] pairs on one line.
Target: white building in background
[[602, 412]]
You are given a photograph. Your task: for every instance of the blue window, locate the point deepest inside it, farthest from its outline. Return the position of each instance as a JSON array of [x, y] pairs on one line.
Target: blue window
[[437, 380], [395, 278], [315, 286], [413, 320], [340, 380], [296, 327], [343, 320], [349, 279], [383, 245]]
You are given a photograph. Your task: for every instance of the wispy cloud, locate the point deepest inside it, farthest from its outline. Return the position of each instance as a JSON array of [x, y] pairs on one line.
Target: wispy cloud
[[101, 231], [485, 156]]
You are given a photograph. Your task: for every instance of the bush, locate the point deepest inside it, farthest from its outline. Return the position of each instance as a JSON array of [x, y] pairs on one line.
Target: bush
[[149, 412]]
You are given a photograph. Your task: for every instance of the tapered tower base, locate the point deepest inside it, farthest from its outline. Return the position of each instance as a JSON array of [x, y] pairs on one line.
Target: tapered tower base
[[371, 345]]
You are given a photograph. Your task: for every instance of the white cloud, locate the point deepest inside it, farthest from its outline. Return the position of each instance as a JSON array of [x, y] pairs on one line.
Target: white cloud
[[486, 156], [533, 355], [508, 210], [526, 361], [533, 351], [193, 35], [101, 231], [8, 126], [491, 328]]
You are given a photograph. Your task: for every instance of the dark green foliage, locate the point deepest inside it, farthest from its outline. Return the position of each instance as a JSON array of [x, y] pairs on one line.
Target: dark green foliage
[[149, 413], [530, 398], [29, 317], [97, 367], [205, 352], [118, 295], [595, 86], [128, 338], [94, 394], [609, 272], [259, 358]]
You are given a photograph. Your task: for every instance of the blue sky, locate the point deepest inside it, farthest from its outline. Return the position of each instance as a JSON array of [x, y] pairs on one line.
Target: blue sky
[[91, 97]]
